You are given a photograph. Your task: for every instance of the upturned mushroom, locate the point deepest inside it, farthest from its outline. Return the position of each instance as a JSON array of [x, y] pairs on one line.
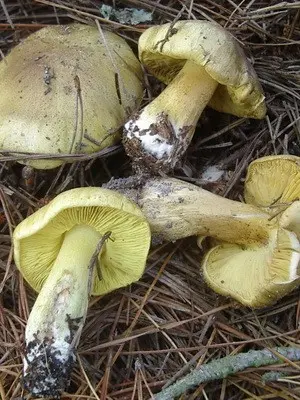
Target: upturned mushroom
[[272, 184], [256, 275], [202, 64], [66, 89], [257, 259], [55, 249]]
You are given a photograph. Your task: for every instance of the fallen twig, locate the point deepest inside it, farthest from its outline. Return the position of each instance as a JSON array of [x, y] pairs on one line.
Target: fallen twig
[[219, 369], [18, 155]]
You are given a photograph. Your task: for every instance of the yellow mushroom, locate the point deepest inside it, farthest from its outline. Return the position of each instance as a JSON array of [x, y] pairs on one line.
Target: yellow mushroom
[[202, 64], [66, 89], [273, 182], [53, 249], [255, 275], [273, 185]]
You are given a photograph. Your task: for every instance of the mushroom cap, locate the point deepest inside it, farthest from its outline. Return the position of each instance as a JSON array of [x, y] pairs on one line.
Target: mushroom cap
[[256, 276], [273, 182], [164, 50], [37, 239], [40, 117]]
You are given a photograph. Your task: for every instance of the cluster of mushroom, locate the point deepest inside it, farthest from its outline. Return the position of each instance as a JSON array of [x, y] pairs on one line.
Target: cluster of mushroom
[[94, 240], [87, 82], [255, 262]]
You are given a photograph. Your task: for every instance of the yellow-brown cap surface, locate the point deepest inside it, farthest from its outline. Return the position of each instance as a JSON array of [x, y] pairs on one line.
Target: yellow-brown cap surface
[[63, 85]]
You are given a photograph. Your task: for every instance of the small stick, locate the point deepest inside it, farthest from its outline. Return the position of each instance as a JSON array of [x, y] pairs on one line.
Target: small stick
[[9, 20], [78, 102], [170, 32], [220, 369], [117, 85], [94, 260], [18, 155]]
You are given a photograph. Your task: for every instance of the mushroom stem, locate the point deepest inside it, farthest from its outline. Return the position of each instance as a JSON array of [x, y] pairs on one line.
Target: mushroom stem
[[55, 322], [176, 209], [163, 130]]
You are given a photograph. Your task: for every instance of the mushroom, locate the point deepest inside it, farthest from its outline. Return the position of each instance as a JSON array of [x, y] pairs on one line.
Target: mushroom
[[255, 275], [273, 182], [256, 260], [202, 64], [66, 89], [54, 249]]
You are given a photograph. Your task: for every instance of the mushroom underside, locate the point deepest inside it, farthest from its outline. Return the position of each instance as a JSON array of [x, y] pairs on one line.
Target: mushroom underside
[[258, 275]]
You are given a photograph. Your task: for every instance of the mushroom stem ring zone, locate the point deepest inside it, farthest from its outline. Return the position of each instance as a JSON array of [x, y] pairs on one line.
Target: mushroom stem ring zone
[[58, 314]]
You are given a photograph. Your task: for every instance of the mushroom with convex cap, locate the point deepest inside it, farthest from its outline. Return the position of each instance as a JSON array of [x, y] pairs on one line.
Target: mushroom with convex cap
[[202, 64], [53, 249], [67, 89]]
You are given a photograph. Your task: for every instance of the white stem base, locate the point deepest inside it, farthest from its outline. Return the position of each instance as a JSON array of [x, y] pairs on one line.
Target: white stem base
[[159, 135], [57, 317]]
